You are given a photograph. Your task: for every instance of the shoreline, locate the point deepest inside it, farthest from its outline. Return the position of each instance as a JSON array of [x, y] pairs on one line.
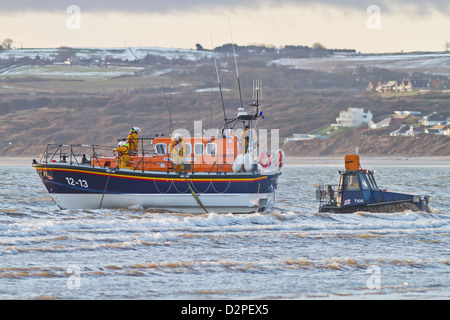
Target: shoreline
[[366, 161]]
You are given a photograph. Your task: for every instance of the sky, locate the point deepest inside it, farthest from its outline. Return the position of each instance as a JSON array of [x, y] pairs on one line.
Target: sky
[[368, 26]]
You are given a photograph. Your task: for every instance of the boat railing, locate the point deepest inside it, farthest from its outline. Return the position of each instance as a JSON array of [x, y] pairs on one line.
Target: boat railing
[[326, 194], [71, 153], [141, 160], [90, 155]]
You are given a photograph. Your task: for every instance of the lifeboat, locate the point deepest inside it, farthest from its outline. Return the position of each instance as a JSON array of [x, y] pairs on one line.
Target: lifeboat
[[217, 175], [358, 191]]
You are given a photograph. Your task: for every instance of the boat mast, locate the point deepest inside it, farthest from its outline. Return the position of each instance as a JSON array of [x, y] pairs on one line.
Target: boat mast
[[235, 63], [218, 80]]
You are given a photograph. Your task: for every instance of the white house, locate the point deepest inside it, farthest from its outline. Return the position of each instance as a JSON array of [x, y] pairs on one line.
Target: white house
[[433, 119], [408, 131], [383, 123], [404, 114], [374, 86], [301, 137], [404, 131], [390, 86], [353, 117], [404, 85]]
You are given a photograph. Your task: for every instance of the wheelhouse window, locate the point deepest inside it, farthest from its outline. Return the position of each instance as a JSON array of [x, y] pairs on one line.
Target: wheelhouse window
[[161, 149], [188, 149], [211, 149], [199, 149], [371, 179], [364, 183], [352, 182], [341, 183]]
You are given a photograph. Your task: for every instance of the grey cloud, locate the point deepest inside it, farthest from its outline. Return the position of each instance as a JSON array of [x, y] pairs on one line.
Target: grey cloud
[[163, 6]]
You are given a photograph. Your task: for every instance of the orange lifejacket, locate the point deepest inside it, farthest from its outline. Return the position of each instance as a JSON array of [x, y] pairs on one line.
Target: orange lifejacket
[[132, 140], [124, 155]]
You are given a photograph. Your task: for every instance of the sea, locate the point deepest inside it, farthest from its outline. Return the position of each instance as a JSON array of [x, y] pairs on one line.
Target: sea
[[290, 252]]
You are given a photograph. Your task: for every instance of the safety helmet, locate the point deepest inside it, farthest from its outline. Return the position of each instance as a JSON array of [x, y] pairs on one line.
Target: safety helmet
[[136, 129], [177, 137], [122, 143]]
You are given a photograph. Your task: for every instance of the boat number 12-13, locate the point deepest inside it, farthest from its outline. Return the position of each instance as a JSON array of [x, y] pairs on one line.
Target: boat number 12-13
[[79, 182]]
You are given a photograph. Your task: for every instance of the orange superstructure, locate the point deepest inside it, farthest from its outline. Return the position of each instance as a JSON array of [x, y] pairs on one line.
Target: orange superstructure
[[202, 155]]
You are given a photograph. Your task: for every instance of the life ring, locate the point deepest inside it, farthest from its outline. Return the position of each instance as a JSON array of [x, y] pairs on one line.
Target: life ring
[[264, 159]]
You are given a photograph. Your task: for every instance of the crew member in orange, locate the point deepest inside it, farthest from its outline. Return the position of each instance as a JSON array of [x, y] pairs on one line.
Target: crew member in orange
[[177, 150], [132, 139], [245, 139], [124, 154]]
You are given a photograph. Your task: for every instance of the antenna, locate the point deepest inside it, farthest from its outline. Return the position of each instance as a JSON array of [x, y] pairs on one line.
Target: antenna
[[257, 94], [211, 115], [218, 78], [257, 91], [235, 63]]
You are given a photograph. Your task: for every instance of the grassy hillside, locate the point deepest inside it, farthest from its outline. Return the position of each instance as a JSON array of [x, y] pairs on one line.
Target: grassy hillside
[[30, 123], [98, 105], [374, 145]]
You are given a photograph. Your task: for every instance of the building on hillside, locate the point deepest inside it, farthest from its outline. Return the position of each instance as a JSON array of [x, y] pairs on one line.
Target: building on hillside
[[382, 124], [374, 86], [438, 84], [352, 117], [404, 85], [420, 84], [390, 86], [408, 131], [446, 131], [434, 119], [417, 130], [402, 131], [407, 85], [302, 137], [406, 113]]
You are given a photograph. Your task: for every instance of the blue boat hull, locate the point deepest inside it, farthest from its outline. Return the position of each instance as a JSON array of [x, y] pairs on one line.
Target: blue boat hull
[[75, 186]]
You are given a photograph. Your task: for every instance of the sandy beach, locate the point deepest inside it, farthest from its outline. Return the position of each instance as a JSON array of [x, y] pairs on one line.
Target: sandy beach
[[366, 161]]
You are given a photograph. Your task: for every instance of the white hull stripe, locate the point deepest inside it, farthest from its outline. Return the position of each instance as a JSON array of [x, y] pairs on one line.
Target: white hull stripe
[[172, 202]]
